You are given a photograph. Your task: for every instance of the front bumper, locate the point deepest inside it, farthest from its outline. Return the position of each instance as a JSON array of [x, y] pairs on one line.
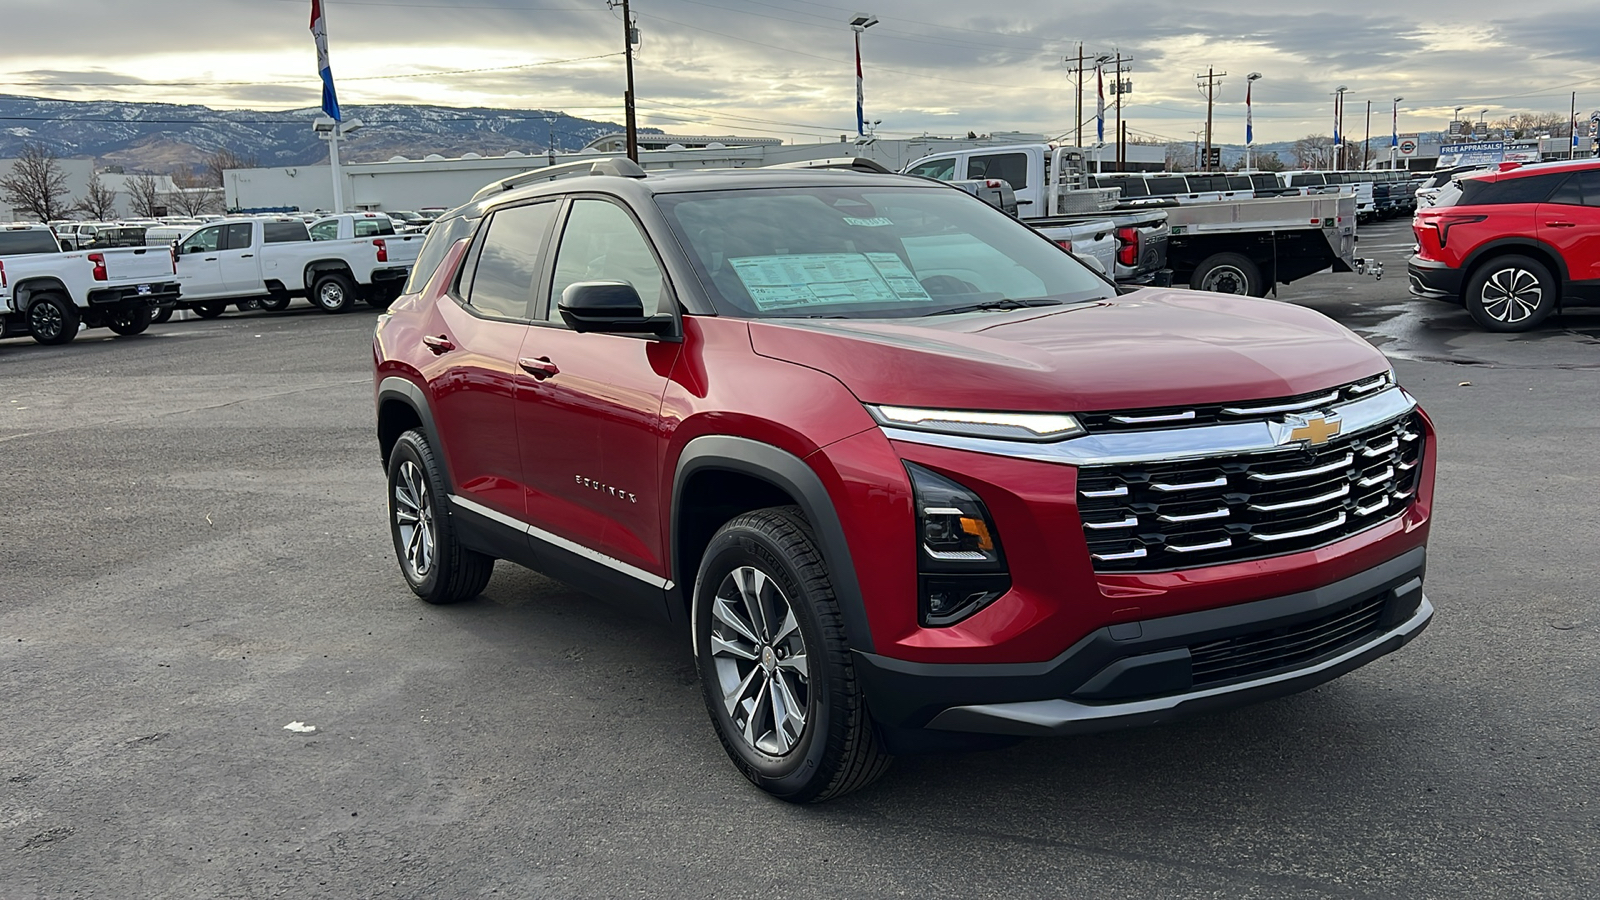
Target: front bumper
[[1163, 669], [1433, 280]]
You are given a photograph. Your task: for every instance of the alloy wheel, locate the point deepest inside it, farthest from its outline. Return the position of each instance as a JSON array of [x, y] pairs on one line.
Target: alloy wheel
[[45, 320], [760, 658], [1511, 295], [413, 516]]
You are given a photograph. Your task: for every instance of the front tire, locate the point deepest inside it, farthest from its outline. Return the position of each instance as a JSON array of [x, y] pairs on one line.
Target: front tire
[[774, 665], [52, 319], [1228, 273], [1511, 293], [161, 315], [274, 302], [333, 293], [435, 564], [209, 310], [130, 323]]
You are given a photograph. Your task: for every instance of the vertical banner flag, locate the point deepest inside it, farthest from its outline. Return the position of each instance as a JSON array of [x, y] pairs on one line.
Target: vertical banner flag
[[1394, 127], [1249, 116], [1338, 118], [319, 32], [1100, 102], [861, 116]]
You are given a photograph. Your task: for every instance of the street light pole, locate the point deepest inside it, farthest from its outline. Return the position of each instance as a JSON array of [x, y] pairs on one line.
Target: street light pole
[[1338, 127], [858, 23], [1366, 145]]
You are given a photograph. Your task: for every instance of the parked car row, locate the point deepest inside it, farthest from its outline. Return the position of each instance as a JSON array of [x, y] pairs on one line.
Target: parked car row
[[255, 262], [1380, 194]]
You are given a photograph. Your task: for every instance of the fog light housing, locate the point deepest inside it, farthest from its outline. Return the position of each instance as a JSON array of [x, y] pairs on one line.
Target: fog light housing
[[960, 563]]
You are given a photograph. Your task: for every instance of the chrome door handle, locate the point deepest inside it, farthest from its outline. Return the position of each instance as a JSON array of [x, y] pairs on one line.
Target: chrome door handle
[[540, 368], [438, 345]]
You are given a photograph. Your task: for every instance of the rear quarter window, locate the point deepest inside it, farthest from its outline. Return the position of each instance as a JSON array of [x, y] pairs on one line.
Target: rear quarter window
[[284, 232], [1527, 189], [444, 235]]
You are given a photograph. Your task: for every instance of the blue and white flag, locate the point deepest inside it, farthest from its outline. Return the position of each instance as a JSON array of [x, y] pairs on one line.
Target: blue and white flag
[[1249, 116], [1100, 103], [319, 31], [1394, 127]]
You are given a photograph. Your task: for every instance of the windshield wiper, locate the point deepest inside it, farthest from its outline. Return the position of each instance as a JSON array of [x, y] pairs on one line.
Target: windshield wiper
[[1003, 303]]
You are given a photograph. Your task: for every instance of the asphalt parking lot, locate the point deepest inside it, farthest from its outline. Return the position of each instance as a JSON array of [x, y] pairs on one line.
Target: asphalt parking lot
[[196, 556]]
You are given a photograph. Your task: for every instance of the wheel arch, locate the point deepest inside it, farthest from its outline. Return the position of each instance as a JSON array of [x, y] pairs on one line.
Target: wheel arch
[[25, 290], [402, 406], [320, 267], [768, 476]]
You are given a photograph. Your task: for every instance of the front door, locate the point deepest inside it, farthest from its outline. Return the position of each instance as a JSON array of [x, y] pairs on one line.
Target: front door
[[241, 271], [200, 264], [590, 425]]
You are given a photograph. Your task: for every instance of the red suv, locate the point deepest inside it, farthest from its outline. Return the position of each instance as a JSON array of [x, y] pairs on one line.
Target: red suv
[[908, 475], [1514, 245]]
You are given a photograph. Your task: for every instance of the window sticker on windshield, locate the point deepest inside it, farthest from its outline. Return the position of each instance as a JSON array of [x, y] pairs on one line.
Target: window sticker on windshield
[[874, 222], [786, 282]]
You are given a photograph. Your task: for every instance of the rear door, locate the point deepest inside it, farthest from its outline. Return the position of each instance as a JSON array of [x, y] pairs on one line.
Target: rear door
[[241, 271], [1570, 222]]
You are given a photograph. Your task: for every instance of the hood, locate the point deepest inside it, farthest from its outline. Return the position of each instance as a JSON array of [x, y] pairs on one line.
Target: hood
[[1150, 348]]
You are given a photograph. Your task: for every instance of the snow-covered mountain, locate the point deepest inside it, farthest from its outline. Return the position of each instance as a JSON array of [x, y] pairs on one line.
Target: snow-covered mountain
[[161, 137]]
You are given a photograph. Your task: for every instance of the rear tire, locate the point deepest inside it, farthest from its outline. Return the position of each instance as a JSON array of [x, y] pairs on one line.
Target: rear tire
[[161, 315], [274, 303], [1228, 273], [774, 665], [52, 319], [129, 323], [209, 310], [1511, 293], [435, 564], [333, 293]]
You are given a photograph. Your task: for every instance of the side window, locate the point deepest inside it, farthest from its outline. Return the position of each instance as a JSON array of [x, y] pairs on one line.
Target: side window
[[206, 240], [238, 236], [1011, 167], [937, 169], [502, 283], [1580, 189], [325, 231], [602, 243]]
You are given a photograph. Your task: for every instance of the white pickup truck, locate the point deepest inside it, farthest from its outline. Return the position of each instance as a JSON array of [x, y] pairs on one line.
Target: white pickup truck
[[49, 293], [267, 260]]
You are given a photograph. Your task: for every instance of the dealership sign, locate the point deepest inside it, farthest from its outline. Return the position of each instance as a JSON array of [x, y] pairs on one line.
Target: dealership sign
[[1481, 153], [1409, 145]]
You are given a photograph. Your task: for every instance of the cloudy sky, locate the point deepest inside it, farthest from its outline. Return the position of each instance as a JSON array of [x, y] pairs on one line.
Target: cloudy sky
[[783, 67]]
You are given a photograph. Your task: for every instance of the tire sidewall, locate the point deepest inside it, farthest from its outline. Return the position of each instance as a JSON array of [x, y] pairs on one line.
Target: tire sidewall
[[1248, 271], [1474, 296], [794, 772], [407, 449]]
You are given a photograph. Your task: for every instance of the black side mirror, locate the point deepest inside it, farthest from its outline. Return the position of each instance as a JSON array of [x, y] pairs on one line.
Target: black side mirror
[[609, 306]]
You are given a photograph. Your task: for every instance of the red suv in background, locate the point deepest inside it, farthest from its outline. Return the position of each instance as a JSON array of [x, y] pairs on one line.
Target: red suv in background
[[907, 475], [1514, 245]]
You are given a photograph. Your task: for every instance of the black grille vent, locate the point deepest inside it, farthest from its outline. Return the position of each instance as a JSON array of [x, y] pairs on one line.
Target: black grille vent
[[1156, 516], [1226, 413], [1262, 652]]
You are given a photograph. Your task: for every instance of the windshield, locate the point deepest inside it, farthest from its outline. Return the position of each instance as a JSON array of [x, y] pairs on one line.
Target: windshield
[[868, 253]]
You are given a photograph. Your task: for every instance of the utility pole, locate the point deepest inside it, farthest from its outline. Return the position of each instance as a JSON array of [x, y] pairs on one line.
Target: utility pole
[[1572, 128], [1120, 150], [1211, 77], [1078, 114], [1366, 145], [630, 36]]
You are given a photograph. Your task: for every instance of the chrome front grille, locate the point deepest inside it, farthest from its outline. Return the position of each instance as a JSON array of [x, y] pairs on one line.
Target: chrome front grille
[[1143, 517]]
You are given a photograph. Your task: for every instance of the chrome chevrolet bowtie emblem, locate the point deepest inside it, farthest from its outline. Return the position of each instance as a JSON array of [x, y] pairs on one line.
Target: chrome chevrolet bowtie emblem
[[1313, 430]]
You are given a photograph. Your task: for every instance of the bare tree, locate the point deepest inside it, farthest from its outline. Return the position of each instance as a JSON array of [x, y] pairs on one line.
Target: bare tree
[[99, 202], [225, 159], [1268, 162], [144, 197], [1314, 151], [37, 185], [1180, 156], [193, 196]]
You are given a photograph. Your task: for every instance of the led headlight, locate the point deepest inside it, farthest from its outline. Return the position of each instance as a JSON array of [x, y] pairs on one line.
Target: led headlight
[[960, 565], [1004, 426]]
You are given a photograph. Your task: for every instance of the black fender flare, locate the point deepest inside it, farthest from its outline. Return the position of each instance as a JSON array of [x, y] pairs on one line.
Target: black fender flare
[[790, 473], [393, 388]]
